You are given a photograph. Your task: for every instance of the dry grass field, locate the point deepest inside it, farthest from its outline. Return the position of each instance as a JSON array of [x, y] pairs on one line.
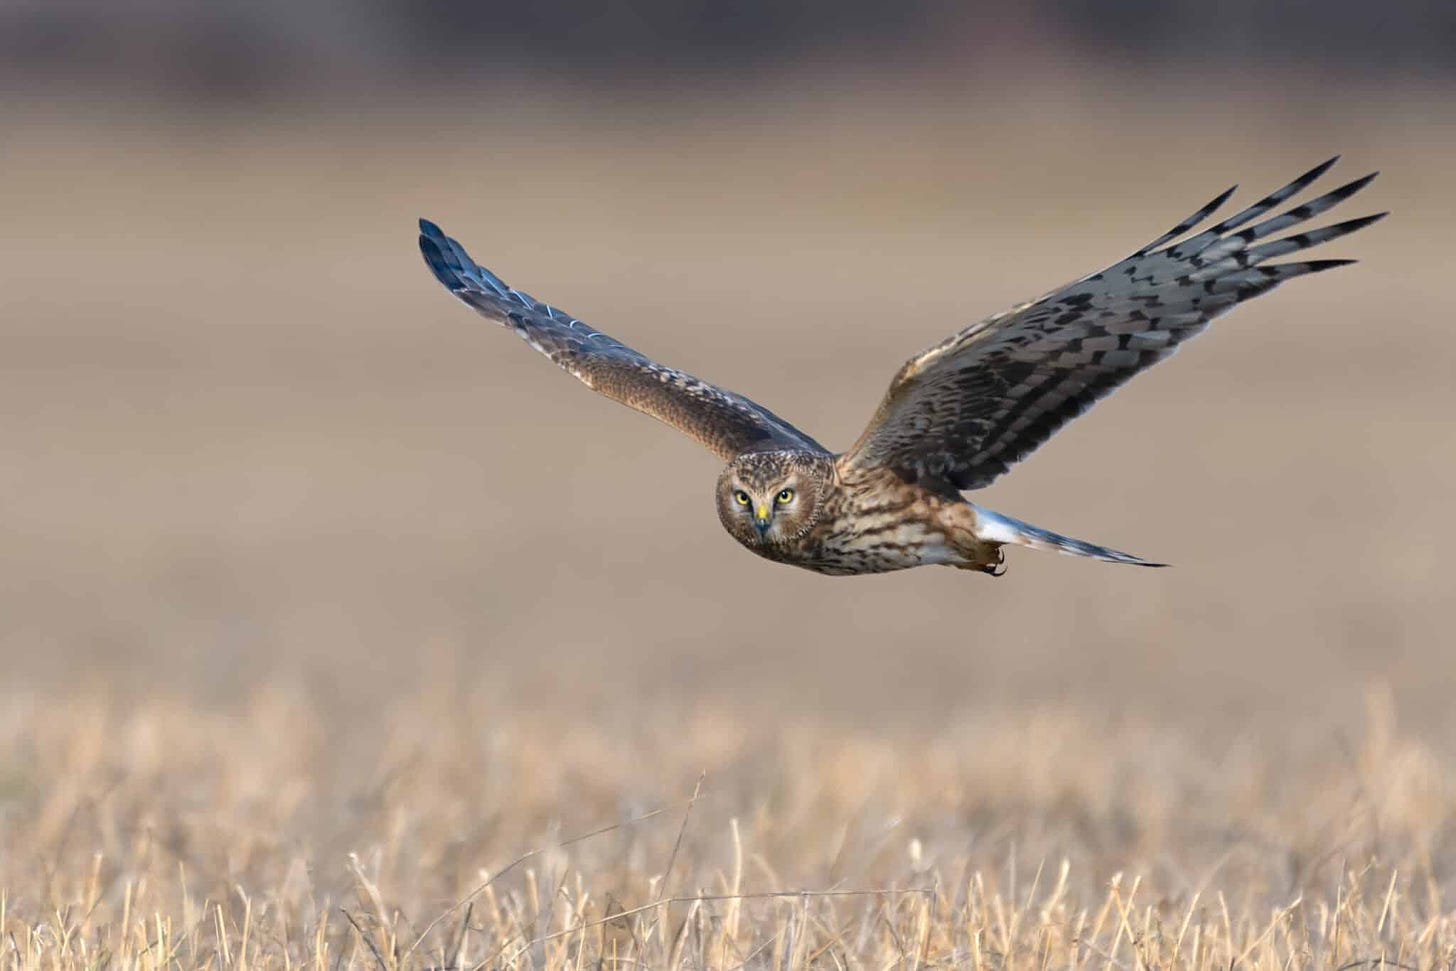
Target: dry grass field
[[339, 630]]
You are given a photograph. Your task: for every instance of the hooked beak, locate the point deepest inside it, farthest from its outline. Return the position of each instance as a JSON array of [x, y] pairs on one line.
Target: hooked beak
[[762, 521]]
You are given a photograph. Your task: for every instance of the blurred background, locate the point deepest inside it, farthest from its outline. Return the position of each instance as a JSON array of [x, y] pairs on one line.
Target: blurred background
[[251, 449], [247, 438]]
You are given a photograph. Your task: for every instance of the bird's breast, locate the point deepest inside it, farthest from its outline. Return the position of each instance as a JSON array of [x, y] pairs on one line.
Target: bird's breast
[[873, 526]]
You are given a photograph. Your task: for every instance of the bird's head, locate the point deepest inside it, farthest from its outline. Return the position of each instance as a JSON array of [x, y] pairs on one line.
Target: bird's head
[[765, 498]]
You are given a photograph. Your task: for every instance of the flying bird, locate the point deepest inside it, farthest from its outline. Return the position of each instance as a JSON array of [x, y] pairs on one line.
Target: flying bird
[[956, 416]]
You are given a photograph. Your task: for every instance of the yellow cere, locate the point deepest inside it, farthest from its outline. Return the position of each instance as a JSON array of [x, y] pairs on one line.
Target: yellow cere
[[763, 512]]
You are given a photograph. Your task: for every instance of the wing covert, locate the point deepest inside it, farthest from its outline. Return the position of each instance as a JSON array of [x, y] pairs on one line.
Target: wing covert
[[726, 422]]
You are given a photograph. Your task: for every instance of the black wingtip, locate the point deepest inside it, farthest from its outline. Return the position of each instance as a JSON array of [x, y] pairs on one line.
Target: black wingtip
[[1351, 225], [454, 268], [1336, 195], [1319, 266], [434, 246], [1217, 202], [1313, 174], [1350, 188], [1190, 222]]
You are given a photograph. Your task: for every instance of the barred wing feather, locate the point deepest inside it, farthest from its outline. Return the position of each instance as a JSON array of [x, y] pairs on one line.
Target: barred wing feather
[[727, 423], [964, 411]]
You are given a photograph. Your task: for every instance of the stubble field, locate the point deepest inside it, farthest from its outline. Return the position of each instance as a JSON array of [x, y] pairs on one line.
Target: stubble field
[[341, 631]]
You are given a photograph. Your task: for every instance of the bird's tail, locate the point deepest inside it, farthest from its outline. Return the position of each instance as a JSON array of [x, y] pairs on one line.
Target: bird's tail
[[992, 527]]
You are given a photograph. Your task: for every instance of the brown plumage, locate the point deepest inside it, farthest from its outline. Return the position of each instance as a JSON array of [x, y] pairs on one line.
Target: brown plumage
[[956, 416]]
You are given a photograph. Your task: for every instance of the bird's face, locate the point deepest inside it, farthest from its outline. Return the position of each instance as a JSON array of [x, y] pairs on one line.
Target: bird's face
[[766, 498]]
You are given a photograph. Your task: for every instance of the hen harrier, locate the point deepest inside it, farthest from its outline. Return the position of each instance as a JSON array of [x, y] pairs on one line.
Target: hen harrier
[[954, 417]]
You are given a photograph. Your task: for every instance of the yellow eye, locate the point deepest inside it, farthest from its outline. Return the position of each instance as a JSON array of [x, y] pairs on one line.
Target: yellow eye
[[741, 497], [786, 497]]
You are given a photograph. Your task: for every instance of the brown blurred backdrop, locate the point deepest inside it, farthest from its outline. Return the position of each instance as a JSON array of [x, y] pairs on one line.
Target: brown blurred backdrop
[[249, 444]]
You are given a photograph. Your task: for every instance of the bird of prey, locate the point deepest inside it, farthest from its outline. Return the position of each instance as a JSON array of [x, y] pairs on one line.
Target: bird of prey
[[956, 416]]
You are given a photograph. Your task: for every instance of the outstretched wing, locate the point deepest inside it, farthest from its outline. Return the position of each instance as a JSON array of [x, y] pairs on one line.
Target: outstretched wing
[[725, 422], [961, 413]]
